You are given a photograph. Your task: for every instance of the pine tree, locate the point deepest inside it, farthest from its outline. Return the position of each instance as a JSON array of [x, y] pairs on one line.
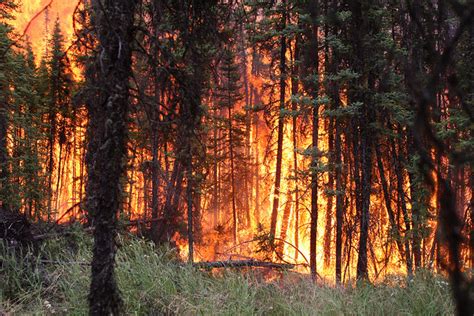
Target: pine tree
[[7, 9], [26, 131], [58, 112], [228, 95], [271, 35], [310, 74]]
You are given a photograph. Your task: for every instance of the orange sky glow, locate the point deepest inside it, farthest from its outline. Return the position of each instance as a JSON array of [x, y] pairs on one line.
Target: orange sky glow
[[37, 33]]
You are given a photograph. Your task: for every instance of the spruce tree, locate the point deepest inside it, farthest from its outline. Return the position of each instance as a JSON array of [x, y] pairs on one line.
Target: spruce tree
[[58, 112], [26, 132], [7, 10], [228, 95]]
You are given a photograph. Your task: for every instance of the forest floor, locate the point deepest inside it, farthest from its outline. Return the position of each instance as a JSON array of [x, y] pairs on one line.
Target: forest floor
[[55, 281]]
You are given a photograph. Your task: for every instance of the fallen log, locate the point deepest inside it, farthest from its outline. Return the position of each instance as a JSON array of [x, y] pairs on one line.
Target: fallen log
[[242, 264]]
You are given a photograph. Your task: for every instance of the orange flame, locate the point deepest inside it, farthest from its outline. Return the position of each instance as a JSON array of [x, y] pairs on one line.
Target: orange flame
[[38, 31]]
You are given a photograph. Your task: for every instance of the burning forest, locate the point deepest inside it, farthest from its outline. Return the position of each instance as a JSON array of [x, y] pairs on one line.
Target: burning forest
[[329, 137]]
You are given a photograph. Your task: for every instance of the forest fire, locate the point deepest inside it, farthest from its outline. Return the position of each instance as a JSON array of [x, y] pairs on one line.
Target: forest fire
[[257, 111], [41, 27]]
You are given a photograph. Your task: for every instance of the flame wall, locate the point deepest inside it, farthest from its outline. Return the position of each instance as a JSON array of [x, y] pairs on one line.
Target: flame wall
[[38, 31]]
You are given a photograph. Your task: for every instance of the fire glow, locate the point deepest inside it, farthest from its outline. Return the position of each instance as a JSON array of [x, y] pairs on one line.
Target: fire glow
[[217, 242], [38, 32]]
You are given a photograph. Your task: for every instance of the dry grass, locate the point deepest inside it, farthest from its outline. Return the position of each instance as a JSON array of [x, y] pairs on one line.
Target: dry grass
[[153, 282]]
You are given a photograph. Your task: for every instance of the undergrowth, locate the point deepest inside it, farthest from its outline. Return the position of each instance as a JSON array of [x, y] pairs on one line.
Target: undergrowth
[[153, 282]]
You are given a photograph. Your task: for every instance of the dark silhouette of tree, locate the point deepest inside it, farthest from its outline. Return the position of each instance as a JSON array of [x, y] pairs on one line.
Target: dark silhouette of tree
[[108, 107]]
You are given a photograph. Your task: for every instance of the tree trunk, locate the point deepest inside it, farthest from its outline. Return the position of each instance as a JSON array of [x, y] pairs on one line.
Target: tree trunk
[[189, 204], [362, 92], [294, 108], [329, 66], [248, 123], [329, 206], [232, 177], [50, 169], [281, 123], [339, 199], [284, 226], [311, 85], [4, 172], [155, 182], [402, 202], [108, 111], [391, 215], [215, 181]]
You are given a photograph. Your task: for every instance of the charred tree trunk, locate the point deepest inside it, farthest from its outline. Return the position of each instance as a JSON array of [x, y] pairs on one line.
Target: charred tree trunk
[[328, 231], [284, 226], [364, 87], [294, 108], [402, 203], [329, 195], [336, 152], [366, 169], [311, 85], [108, 106], [155, 183], [232, 176], [339, 199], [248, 122], [416, 202], [215, 198], [4, 172], [281, 123], [189, 204], [50, 169], [155, 116], [256, 122]]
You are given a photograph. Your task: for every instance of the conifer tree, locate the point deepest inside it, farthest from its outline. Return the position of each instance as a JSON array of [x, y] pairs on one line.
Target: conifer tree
[[58, 112], [7, 9], [228, 96], [26, 131]]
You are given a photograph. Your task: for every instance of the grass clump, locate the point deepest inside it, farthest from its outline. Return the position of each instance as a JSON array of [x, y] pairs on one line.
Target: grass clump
[[154, 282]]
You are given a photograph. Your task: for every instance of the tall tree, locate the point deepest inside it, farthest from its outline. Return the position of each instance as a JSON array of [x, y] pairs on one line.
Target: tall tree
[[310, 80], [362, 32], [58, 111], [108, 106], [228, 95], [7, 9], [281, 119]]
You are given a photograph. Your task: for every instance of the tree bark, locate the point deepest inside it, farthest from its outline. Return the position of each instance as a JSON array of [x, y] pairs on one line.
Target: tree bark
[[311, 85], [281, 123], [108, 106], [294, 108], [232, 175]]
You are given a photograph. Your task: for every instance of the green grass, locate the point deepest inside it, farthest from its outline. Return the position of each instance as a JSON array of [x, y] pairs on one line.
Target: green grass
[[154, 283]]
